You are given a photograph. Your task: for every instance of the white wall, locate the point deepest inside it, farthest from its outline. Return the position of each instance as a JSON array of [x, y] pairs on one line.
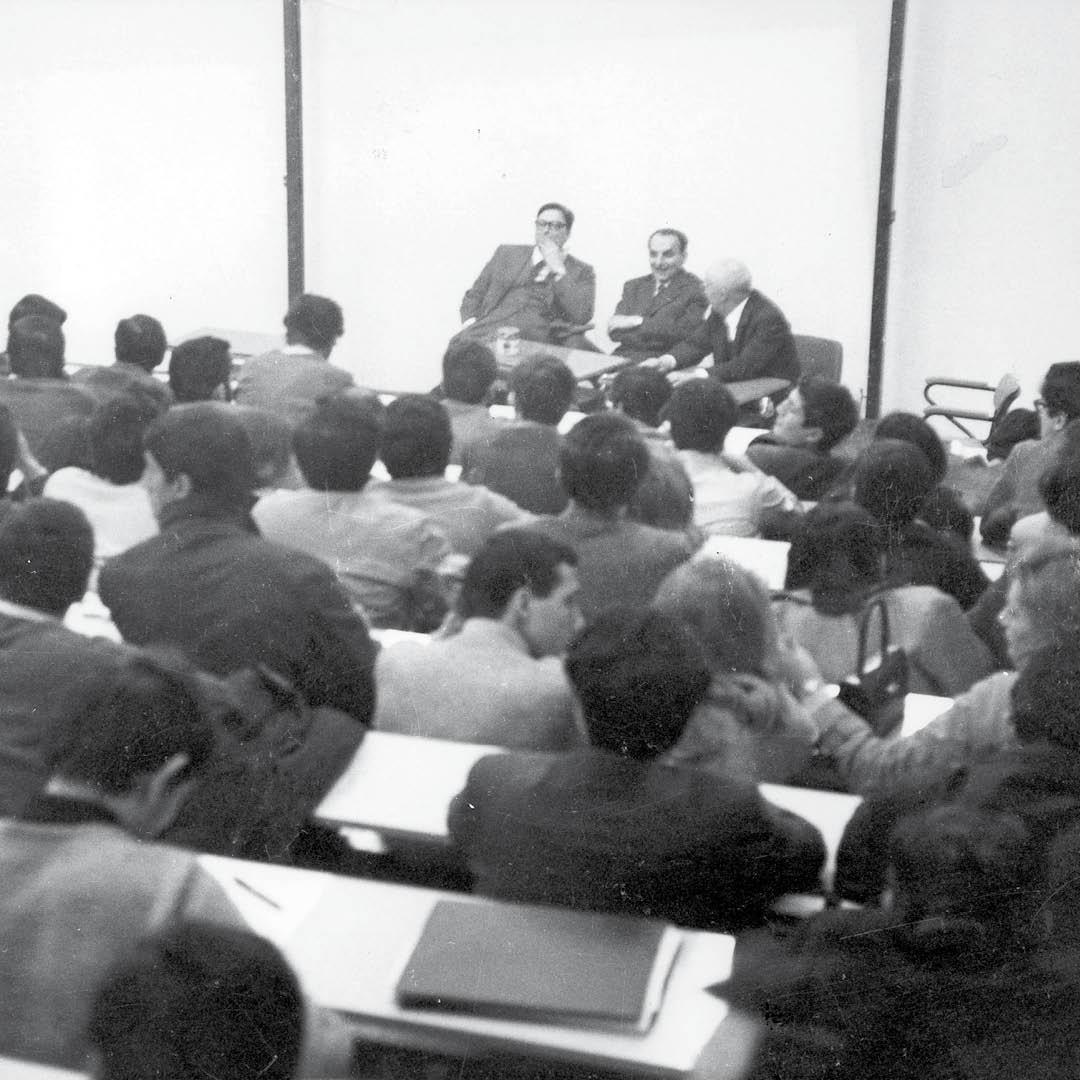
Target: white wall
[[986, 246], [434, 130]]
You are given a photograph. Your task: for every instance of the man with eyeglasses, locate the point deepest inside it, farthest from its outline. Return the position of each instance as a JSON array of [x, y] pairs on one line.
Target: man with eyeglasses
[[546, 294]]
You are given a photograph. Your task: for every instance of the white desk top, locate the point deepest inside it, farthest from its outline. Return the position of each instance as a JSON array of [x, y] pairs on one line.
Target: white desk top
[[17, 1069]]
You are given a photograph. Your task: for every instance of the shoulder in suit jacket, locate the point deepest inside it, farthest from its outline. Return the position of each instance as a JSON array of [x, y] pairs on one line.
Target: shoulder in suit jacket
[[670, 316]]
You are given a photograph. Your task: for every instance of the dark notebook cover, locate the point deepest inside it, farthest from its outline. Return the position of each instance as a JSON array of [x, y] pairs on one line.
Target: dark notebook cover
[[552, 965]]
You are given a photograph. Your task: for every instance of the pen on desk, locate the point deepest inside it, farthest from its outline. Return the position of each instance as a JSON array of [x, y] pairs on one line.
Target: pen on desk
[[255, 892]]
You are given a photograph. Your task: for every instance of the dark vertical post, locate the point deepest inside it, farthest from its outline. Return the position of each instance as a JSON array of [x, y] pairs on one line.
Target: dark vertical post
[[885, 213], [294, 149]]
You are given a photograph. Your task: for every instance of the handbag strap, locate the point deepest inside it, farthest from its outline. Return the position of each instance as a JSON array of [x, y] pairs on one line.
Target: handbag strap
[[875, 603]]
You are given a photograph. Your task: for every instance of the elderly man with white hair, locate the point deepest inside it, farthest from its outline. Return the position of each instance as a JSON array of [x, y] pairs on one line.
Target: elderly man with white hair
[[745, 332]]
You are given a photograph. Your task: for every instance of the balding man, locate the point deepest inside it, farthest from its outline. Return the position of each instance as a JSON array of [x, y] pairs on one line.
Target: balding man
[[747, 334]]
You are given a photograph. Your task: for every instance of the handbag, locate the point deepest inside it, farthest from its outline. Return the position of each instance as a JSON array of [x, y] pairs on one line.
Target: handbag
[[877, 691]]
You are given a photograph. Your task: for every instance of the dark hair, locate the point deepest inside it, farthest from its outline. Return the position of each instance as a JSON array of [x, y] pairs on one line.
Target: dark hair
[[468, 370], [836, 553], [416, 437], [543, 388], [46, 554], [891, 480], [314, 321], [206, 442], [140, 340], [198, 367], [909, 428], [198, 999], [9, 448], [829, 406], [945, 510], [701, 414], [35, 348], [1046, 696], [638, 676], [641, 393], [566, 212], [1060, 389], [114, 434], [679, 235], [602, 461], [35, 304], [271, 437], [510, 560], [337, 442], [1059, 487]]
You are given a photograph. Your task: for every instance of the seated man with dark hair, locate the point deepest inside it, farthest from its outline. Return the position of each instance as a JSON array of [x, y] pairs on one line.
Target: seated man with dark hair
[[209, 584], [810, 422], [608, 828], [416, 441], [200, 370], [498, 679], [620, 561], [522, 461], [386, 556], [468, 372], [140, 346], [31, 304]]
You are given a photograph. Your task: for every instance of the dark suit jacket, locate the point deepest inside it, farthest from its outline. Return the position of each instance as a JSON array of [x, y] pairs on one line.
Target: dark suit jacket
[[571, 301], [763, 345], [806, 472], [671, 316], [521, 463], [592, 830]]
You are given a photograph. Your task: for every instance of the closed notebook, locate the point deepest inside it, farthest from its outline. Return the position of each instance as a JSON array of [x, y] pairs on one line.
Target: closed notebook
[[550, 965]]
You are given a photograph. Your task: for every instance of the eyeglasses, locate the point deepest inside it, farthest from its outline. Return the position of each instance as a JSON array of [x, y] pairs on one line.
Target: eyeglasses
[[551, 226]]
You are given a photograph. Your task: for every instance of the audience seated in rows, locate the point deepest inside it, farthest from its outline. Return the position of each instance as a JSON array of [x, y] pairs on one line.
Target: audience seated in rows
[[139, 347], [499, 678], [386, 556], [620, 561], [468, 373], [211, 586], [415, 448], [200, 370], [609, 827]]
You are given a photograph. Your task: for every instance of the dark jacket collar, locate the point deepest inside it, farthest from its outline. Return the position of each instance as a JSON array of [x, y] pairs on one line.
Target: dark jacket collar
[[232, 510], [63, 810]]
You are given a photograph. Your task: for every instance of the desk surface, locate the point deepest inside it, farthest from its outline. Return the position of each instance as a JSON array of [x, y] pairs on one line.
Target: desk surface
[[17, 1069], [242, 343]]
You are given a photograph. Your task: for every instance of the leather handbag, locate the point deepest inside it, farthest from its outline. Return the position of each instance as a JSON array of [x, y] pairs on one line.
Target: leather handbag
[[877, 689]]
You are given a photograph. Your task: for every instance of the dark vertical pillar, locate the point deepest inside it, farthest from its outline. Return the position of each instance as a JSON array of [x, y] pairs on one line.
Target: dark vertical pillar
[[885, 213], [294, 149]]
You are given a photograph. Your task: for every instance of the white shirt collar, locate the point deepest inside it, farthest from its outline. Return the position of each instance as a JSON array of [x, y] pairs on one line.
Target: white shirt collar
[[732, 319]]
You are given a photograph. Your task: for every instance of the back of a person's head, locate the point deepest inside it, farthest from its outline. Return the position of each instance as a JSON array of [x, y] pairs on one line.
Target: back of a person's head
[[337, 442], [638, 676], [892, 478], [198, 367], [36, 304], [701, 413], [641, 393], [206, 442], [468, 370], [1059, 487], [543, 388], [1060, 390], [836, 553], [140, 340], [314, 321], [829, 406], [602, 461], [197, 1001], [114, 434], [416, 437], [510, 560], [945, 510], [271, 438], [9, 447], [35, 348], [909, 428], [46, 554], [729, 609], [1046, 696]]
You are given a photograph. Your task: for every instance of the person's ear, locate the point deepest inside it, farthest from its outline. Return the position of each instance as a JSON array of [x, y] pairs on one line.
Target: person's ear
[[159, 796], [813, 435], [180, 486], [518, 606]]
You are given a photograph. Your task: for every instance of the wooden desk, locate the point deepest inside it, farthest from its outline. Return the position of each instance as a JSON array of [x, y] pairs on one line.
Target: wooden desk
[[349, 939], [243, 344], [584, 363], [767, 559]]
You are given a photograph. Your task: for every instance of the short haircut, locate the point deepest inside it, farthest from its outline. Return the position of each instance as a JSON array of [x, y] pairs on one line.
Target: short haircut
[[416, 437], [46, 554], [1060, 389], [602, 461], [729, 275], [677, 234], [638, 676], [729, 609], [314, 321], [198, 367], [701, 414], [9, 447], [35, 348], [909, 428], [641, 393], [206, 442], [114, 434], [566, 212], [945, 510], [35, 304], [271, 437], [140, 340], [836, 553], [1059, 487], [337, 442], [892, 478], [543, 388], [1048, 577], [1046, 696], [468, 370], [199, 1000], [828, 405], [510, 560]]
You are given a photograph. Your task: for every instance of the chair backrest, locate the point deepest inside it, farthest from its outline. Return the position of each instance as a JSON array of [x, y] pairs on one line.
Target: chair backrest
[[819, 356]]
